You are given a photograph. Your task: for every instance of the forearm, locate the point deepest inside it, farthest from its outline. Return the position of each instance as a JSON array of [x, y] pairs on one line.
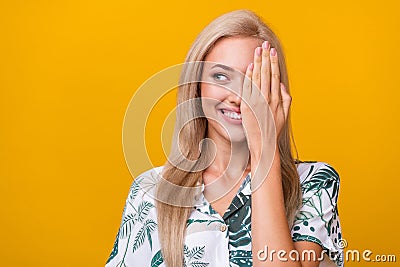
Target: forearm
[[269, 223]]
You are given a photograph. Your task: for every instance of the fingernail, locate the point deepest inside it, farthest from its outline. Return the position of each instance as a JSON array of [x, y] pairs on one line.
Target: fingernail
[[251, 66], [265, 45], [258, 51], [273, 51]]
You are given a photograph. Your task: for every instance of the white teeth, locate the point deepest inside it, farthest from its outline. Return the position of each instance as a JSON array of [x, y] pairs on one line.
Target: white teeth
[[232, 115]]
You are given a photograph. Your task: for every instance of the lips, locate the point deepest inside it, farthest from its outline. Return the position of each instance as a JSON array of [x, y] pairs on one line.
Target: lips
[[232, 116]]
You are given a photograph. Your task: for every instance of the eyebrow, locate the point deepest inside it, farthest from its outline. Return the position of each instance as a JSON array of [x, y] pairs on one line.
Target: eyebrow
[[222, 67]]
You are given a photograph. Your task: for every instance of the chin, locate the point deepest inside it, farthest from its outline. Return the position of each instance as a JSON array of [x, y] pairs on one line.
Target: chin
[[238, 140], [236, 137]]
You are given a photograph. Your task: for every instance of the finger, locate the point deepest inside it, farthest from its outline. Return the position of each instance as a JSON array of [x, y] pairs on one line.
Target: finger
[[286, 100], [246, 92], [266, 71], [275, 77], [256, 78]]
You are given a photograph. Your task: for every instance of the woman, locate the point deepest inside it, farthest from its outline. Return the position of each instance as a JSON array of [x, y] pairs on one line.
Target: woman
[[231, 193]]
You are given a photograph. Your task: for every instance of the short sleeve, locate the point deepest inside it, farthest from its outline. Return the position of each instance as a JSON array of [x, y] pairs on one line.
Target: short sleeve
[[133, 244], [317, 220]]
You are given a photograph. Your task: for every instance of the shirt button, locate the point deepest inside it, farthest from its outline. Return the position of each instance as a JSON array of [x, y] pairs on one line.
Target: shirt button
[[223, 228]]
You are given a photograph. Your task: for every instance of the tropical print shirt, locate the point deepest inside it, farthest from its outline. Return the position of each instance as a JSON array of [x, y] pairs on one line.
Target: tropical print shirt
[[212, 240]]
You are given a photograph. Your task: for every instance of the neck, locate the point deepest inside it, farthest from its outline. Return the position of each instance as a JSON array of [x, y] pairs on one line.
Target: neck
[[227, 169], [231, 158]]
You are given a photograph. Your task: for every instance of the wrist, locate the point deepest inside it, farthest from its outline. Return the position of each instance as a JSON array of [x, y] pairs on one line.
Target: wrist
[[264, 163], [262, 156]]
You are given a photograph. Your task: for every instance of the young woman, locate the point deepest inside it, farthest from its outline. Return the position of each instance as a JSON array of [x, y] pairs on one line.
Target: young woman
[[231, 193]]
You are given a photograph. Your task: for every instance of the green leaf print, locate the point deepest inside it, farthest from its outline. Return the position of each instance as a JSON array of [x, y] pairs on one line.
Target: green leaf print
[[127, 225], [300, 237], [323, 178], [192, 257], [157, 259], [146, 230], [241, 258], [309, 202], [191, 221], [143, 210], [303, 216], [130, 221], [135, 189], [139, 239], [196, 253], [310, 171], [150, 226], [114, 251], [240, 226]]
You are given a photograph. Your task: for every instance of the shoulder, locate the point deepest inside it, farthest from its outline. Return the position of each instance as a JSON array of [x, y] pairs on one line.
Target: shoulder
[[309, 169], [143, 186], [316, 176]]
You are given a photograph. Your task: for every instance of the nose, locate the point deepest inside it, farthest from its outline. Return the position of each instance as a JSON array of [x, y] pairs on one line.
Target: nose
[[234, 98]]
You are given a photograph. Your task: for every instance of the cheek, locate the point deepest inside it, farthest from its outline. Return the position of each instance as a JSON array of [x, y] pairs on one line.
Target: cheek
[[210, 99], [212, 91]]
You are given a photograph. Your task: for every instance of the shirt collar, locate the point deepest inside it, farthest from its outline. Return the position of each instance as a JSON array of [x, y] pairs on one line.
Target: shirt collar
[[244, 189]]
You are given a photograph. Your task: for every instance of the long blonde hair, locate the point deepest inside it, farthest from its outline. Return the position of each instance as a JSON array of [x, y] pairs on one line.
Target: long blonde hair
[[191, 129]]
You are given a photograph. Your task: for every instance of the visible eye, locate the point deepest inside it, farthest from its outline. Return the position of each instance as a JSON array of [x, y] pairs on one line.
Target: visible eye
[[220, 77]]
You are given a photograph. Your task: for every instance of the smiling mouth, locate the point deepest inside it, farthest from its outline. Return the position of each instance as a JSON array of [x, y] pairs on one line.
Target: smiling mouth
[[231, 114]]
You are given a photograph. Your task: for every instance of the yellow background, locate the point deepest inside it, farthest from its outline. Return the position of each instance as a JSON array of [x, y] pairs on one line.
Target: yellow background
[[68, 70]]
